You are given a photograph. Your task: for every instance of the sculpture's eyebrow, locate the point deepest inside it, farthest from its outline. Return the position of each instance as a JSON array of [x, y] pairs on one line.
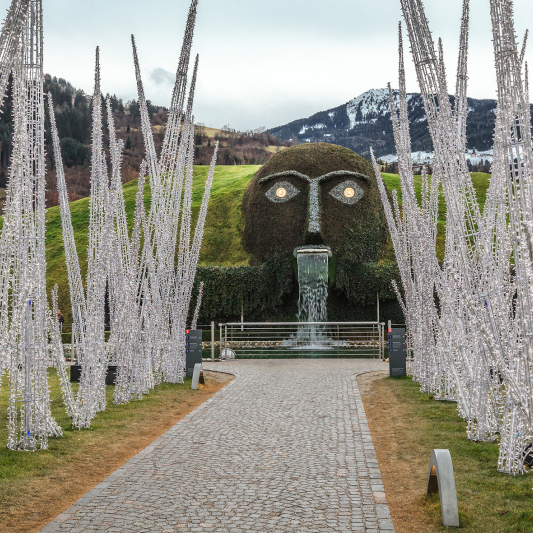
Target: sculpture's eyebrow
[[338, 173], [303, 177], [285, 173]]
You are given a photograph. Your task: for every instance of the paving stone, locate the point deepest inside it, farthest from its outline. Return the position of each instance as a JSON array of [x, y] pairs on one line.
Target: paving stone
[[285, 447]]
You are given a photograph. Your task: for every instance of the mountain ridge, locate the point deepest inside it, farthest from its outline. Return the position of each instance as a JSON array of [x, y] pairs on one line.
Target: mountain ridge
[[365, 121]]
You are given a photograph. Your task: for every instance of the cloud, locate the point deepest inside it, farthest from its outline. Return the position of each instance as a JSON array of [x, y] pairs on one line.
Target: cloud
[[160, 76], [288, 59]]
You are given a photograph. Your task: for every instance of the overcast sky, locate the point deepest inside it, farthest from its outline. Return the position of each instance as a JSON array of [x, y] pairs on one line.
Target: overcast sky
[[262, 62]]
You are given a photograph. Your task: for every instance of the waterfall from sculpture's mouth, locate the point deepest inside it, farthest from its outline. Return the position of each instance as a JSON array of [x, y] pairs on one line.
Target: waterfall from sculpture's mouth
[[313, 281], [312, 303]]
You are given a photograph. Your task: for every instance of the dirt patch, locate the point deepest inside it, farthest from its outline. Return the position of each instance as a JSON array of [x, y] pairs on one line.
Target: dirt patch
[[30, 502], [403, 470], [220, 377]]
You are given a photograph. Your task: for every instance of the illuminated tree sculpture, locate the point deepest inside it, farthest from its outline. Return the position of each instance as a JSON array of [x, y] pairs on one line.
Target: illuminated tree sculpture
[[23, 269], [148, 287], [477, 345], [198, 305]]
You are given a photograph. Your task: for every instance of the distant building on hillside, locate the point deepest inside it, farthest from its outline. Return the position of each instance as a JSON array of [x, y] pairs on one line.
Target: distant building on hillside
[[421, 159]]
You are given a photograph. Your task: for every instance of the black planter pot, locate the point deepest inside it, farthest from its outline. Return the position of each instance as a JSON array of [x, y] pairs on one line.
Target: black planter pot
[[75, 374]]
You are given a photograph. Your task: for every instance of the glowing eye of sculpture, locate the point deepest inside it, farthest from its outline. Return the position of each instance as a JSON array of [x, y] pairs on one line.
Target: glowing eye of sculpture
[[282, 191], [347, 192]]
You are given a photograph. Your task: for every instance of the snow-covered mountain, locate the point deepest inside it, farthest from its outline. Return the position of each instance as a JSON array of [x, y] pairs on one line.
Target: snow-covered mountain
[[374, 105], [365, 122]]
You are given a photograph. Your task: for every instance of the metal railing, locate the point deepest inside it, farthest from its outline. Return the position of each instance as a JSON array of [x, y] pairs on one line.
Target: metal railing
[[288, 339], [302, 339], [66, 328]]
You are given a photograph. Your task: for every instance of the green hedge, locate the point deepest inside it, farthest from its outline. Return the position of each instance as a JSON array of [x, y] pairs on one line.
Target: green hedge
[[256, 290], [270, 291], [361, 281]]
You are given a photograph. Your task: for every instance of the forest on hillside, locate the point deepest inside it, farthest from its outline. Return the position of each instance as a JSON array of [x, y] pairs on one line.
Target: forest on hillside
[[253, 147], [74, 121], [73, 111]]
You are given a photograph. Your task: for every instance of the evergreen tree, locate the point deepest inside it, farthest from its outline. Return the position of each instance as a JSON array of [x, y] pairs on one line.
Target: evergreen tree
[[74, 152]]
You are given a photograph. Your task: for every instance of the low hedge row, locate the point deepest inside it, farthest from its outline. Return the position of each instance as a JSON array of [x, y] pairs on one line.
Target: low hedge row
[[252, 290], [267, 292]]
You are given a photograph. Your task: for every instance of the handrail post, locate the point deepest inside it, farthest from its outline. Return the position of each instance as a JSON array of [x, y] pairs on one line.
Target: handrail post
[[221, 352], [383, 341], [226, 340], [338, 342], [379, 346], [212, 341], [380, 342]]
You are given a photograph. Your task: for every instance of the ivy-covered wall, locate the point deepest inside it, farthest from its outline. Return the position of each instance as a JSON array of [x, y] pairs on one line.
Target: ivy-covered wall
[[256, 291]]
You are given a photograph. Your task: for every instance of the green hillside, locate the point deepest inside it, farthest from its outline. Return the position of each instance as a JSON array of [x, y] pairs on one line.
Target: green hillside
[[224, 226], [222, 238], [481, 184]]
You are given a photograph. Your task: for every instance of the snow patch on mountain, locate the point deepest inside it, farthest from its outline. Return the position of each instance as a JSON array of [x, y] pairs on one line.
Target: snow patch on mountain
[[318, 126], [370, 106]]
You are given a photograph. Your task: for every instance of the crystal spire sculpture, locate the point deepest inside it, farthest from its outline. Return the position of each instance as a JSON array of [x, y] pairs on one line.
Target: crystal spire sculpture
[[12, 29], [475, 346], [77, 294], [165, 289], [147, 278], [198, 305], [58, 357], [30, 422]]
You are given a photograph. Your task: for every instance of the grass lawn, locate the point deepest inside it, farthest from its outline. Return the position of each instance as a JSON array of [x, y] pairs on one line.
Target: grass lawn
[[406, 426], [481, 184], [210, 132], [36, 487], [224, 225]]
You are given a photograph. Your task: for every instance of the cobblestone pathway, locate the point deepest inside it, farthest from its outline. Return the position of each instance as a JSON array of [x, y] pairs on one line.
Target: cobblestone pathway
[[284, 447]]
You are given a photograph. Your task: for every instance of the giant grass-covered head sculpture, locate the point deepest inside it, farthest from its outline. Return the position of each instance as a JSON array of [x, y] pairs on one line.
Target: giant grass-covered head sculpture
[[314, 194]]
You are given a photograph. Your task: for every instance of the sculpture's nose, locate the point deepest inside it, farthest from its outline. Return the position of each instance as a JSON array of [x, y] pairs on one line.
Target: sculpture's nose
[[313, 235]]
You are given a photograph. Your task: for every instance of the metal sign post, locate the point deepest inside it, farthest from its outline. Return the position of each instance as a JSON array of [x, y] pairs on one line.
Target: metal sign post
[[396, 345], [193, 349]]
